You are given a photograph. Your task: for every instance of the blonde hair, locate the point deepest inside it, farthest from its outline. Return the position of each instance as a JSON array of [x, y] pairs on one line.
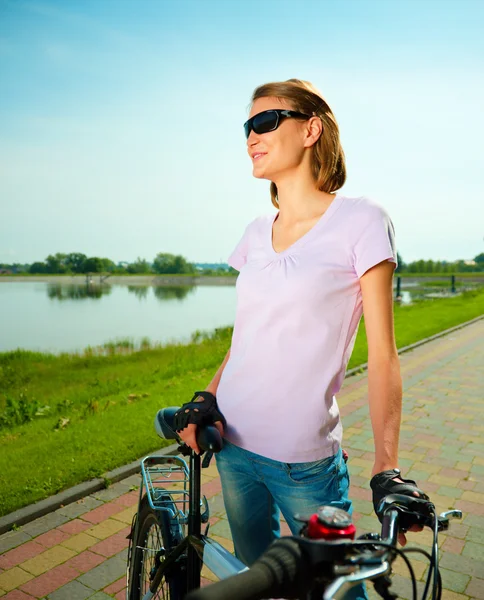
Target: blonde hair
[[328, 160]]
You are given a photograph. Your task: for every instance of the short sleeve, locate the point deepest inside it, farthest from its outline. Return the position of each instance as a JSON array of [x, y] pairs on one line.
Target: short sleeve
[[376, 244], [238, 258]]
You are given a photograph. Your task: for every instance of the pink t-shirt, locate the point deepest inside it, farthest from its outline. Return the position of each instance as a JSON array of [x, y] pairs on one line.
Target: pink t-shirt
[[296, 321]]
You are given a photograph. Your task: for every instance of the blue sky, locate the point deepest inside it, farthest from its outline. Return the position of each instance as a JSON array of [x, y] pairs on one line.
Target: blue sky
[[121, 121]]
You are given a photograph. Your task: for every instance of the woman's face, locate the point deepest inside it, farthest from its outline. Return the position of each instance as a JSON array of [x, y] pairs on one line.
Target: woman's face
[[276, 152]]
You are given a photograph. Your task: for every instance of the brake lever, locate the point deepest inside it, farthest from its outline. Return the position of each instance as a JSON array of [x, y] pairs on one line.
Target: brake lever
[[443, 518], [334, 589]]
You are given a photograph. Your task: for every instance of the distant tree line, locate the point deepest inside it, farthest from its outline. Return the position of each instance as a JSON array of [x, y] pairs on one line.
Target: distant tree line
[[165, 263], [442, 266], [76, 263]]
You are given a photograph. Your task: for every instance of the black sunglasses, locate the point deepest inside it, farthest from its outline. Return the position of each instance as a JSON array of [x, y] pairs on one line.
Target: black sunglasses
[[269, 120]]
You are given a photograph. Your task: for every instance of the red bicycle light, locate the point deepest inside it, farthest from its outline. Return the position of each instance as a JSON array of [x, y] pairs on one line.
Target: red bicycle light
[[330, 523]]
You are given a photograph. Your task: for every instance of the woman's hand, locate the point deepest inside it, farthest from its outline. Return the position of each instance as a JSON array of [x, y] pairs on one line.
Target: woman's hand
[[189, 435], [390, 482]]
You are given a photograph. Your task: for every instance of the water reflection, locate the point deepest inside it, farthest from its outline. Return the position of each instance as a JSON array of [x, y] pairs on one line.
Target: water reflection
[[60, 291], [63, 291], [170, 292], [140, 291]]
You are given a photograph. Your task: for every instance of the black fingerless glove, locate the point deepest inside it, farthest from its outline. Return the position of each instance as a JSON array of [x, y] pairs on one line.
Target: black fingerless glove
[[383, 484], [203, 412]]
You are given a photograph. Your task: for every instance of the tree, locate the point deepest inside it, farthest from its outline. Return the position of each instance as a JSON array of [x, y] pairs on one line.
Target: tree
[[56, 263], [75, 262], [140, 266], [108, 265], [165, 263], [38, 267], [93, 265]]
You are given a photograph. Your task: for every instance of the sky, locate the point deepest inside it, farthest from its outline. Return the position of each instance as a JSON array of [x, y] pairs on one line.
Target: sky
[[121, 120]]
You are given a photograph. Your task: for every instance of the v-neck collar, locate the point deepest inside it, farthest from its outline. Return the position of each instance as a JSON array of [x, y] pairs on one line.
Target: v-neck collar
[[324, 218]]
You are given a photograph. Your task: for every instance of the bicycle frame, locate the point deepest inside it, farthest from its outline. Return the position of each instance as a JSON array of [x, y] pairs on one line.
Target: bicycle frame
[[186, 499]]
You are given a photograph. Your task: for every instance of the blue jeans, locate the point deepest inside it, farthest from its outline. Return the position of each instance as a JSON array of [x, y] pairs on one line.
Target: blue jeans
[[257, 489]]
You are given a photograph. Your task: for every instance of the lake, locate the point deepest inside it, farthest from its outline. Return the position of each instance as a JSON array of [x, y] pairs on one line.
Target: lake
[[61, 317]]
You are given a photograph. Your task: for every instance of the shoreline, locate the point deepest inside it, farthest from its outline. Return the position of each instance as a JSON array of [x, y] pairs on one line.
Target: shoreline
[[191, 280], [97, 279]]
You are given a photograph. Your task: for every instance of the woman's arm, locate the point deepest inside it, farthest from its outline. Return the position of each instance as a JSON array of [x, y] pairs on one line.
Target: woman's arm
[[384, 380], [189, 434], [213, 385]]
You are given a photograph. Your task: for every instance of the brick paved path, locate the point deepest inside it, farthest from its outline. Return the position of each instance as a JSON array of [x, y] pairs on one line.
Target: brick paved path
[[79, 551]]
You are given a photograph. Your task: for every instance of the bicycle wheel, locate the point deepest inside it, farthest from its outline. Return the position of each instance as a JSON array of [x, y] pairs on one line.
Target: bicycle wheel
[[156, 531]]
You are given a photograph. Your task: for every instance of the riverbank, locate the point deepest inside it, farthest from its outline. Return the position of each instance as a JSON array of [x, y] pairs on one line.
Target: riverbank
[[124, 279], [228, 279], [68, 418]]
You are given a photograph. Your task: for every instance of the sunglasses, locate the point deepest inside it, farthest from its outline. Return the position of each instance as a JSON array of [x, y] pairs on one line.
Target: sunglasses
[[269, 120]]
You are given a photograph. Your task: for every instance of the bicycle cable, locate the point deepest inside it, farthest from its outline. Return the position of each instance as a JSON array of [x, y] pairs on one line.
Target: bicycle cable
[[400, 553], [435, 557], [432, 565]]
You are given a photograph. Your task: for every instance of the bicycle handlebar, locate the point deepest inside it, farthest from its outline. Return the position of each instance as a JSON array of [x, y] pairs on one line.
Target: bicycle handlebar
[[292, 565]]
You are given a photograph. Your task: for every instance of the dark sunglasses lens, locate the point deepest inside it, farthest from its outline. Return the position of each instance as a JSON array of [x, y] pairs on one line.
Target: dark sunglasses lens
[[264, 122]]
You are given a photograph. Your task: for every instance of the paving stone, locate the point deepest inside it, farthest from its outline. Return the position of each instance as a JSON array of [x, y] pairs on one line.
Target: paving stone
[[85, 561], [112, 492], [107, 572], [44, 524], [79, 508], [100, 596], [117, 586], [74, 526], [14, 557], [126, 515], [461, 564], [80, 542], [12, 539], [47, 560], [112, 545], [456, 582], [476, 534], [451, 492], [51, 538], [71, 591], [453, 545], [50, 581], [17, 595], [129, 499], [473, 550], [13, 578], [134, 480], [216, 505], [476, 588], [105, 529], [221, 528]]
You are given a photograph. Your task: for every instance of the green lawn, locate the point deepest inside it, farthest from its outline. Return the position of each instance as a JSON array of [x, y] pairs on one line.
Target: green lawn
[[65, 419]]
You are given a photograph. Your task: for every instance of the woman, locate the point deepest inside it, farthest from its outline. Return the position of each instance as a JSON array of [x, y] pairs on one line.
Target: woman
[[306, 276]]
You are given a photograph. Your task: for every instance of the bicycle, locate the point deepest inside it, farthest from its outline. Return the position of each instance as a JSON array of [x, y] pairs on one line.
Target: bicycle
[[167, 548]]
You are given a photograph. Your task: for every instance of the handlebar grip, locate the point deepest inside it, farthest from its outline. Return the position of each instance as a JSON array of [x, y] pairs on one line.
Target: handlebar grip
[[209, 438], [280, 571]]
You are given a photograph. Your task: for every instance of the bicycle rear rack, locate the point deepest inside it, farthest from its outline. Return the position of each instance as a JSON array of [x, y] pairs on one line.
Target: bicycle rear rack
[[166, 480]]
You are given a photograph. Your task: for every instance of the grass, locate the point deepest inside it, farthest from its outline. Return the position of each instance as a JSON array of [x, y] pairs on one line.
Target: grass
[[67, 418]]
